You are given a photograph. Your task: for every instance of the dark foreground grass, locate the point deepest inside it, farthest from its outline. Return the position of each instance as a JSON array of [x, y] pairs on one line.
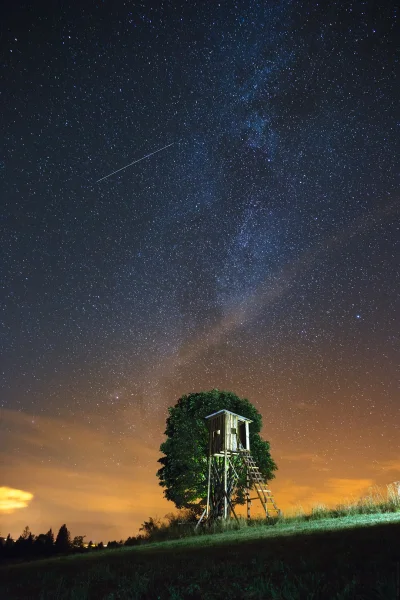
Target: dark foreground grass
[[353, 562]]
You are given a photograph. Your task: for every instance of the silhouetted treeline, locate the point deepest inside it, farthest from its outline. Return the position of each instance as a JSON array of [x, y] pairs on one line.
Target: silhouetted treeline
[[29, 546]]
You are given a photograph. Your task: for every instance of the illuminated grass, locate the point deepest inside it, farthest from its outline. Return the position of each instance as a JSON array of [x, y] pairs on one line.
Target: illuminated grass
[[378, 502], [287, 527], [338, 559]]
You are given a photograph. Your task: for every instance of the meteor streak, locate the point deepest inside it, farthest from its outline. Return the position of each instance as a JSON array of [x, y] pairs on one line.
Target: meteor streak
[[134, 162]]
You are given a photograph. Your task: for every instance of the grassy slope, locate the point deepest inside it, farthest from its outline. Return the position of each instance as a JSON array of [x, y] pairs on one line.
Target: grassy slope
[[343, 558]]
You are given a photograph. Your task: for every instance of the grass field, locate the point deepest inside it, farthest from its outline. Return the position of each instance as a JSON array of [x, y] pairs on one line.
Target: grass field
[[352, 557]]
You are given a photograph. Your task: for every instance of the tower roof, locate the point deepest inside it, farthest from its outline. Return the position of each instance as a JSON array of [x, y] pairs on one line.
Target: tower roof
[[231, 413]]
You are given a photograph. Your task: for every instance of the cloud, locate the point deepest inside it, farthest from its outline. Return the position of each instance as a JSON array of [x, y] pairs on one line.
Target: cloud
[[12, 499], [290, 494]]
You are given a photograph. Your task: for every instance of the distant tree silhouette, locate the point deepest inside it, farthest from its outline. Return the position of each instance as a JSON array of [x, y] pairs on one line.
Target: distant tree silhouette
[[133, 541], [63, 540], [40, 544], [29, 546], [115, 544], [150, 526], [41, 539], [24, 544], [77, 542], [49, 541], [8, 547]]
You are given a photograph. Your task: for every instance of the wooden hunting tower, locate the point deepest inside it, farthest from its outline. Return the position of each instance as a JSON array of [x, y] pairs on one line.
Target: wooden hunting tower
[[228, 431], [230, 460]]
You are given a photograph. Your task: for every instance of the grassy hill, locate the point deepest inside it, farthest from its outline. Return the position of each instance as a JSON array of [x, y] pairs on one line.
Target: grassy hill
[[351, 557]]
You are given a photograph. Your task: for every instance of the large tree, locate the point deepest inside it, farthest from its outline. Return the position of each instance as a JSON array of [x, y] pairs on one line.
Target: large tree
[[184, 465], [63, 540]]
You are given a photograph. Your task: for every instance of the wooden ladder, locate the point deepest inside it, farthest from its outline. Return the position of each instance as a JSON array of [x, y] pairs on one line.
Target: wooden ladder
[[264, 494]]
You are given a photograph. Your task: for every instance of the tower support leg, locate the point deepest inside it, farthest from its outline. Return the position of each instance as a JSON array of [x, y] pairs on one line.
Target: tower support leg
[[248, 501], [225, 486]]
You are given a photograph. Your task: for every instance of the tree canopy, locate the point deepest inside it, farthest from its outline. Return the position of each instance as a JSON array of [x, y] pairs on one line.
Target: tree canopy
[[183, 473]]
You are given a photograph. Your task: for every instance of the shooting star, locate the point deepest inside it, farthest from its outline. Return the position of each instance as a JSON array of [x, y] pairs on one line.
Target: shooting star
[[134, 162]]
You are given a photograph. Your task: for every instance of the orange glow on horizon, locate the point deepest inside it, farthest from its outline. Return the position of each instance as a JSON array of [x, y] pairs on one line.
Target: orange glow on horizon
[[111, 489]]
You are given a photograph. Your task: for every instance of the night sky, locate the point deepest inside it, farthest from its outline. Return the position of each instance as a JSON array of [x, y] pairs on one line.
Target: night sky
[[258, 253]]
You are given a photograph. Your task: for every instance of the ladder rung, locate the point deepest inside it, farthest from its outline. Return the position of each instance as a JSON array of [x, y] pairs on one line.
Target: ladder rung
[[257, 482]]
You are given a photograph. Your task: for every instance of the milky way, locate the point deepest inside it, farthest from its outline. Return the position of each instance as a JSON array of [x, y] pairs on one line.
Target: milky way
[[258, 254]]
